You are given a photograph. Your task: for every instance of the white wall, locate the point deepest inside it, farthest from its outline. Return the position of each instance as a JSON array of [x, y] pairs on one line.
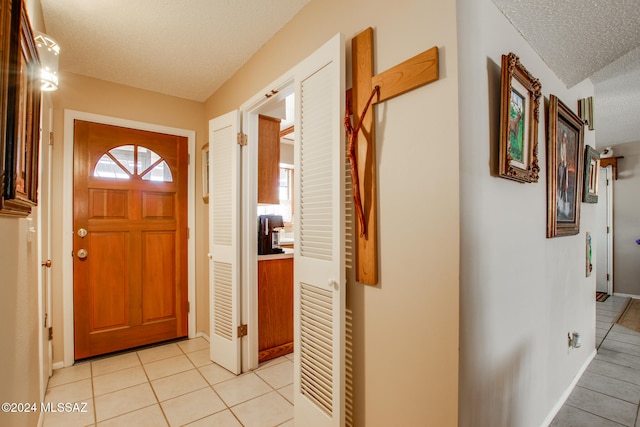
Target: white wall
[[520, 293], [626, 216]]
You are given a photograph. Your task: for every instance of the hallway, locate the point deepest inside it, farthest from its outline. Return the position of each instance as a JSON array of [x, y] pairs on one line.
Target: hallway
[[608, 393], [172, 385]]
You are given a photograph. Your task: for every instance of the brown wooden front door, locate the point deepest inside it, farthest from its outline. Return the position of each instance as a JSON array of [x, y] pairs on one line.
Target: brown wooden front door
[[130, 238]]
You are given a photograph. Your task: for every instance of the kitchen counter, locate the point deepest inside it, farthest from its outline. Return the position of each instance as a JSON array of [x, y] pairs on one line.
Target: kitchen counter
[[288, 253]]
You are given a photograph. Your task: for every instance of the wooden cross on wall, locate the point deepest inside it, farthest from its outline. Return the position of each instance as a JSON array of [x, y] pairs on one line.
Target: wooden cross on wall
[[408, 75]]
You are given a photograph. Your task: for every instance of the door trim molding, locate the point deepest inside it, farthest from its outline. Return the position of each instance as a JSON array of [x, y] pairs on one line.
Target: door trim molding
[[249, 111], [67, 217], [609, 200]]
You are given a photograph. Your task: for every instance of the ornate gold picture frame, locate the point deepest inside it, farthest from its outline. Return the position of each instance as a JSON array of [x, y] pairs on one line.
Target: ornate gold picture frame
[[565, 167], [519, 107]]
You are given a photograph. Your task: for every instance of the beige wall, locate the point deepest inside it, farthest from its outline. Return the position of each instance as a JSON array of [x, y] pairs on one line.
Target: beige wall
[[405, 328], [109, 99], [20, 320], [19, 316]]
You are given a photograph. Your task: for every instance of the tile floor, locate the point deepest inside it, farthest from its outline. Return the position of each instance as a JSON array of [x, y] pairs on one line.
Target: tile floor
[[176, 384], [172, 385], [608, 394]]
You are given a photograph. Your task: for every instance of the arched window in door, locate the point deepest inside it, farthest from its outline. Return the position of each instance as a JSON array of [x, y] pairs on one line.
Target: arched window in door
[[133, 161]]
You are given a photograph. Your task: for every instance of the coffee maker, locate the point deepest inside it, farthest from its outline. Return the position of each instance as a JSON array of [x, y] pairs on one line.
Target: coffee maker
[[268, 235]]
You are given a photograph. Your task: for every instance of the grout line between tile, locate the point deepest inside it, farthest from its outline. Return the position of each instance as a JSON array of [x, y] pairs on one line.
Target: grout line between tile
[[597, 415], [152, 389], [157, 400], [93, 396]]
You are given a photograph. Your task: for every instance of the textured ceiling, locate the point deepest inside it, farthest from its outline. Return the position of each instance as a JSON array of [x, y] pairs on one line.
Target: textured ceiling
[[188, 48], [185, 48], [595, 39]]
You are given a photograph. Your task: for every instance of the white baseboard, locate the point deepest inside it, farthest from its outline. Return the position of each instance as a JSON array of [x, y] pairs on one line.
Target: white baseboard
[[617, 294], [203, 335], [57, 365], [567, 392]]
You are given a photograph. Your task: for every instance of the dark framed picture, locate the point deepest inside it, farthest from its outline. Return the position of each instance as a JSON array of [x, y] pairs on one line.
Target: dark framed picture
[[565, 167], [591, 175], [519, 105], [21, 119]]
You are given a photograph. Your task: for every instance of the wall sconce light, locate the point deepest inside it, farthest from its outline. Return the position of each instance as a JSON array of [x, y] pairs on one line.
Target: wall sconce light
[[48, 50]]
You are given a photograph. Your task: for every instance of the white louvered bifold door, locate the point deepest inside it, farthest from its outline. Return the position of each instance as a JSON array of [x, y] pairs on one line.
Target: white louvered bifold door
[[224, 240], [319, 302]]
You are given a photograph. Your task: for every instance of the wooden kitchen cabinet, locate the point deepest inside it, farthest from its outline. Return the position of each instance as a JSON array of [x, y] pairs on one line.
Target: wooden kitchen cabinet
[[268, 160], [275, 308]]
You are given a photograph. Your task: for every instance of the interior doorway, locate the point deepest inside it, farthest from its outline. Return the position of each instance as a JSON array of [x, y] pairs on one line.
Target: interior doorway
[[276, 239], [319, 258], [604, 233], [278, 106]]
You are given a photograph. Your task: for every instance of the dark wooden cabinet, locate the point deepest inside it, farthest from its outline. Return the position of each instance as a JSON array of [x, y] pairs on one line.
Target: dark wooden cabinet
[[268, 160], [275, 308]]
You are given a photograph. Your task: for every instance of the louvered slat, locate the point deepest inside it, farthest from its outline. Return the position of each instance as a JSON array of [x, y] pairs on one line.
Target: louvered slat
[[348, 224], [348, 359], [223, 300], [315, 168], [222, 187], [316, 346]]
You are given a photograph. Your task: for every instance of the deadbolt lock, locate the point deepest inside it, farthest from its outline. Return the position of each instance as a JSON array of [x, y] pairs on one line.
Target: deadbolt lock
[[82, 232]]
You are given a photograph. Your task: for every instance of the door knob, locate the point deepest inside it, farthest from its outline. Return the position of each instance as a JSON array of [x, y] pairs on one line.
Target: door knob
[[82, 232], [82, 253]]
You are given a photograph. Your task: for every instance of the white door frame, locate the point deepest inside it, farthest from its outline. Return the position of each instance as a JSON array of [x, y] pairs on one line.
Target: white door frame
[[67, 217], [250, 110], [608, 196], [44, 273]]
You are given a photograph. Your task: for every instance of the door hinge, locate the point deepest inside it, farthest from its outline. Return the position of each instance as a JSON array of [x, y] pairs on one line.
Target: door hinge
[[188, 233], [607, 277], [50, 333], [188, 158], [607, 229], [242, 331], [242, 139], [51, 138], [188, 306]]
